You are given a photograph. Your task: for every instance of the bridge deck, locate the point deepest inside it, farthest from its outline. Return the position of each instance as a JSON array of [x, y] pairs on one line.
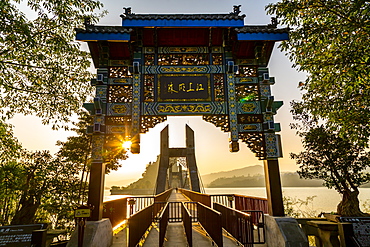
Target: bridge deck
[[175, 235]]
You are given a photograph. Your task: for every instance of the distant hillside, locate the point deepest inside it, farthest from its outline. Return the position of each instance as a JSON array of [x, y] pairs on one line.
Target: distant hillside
[[147, 181], [288, 179], [246, 171]]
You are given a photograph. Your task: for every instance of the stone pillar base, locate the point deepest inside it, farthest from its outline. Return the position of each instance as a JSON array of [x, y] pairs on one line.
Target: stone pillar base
[[284, 232], [97, 234]]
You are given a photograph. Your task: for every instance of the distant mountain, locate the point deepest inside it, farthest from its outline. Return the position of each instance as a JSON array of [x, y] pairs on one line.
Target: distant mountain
[[288, 179], [246, 171], [123, 182]]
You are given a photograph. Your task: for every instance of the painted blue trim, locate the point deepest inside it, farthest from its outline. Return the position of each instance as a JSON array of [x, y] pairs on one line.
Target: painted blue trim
[[103, 36], [182, 23], [263, 36]]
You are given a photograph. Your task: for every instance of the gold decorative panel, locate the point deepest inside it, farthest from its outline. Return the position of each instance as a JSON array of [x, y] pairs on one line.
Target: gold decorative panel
[[119, 72], [247, 71], [120, 94], [183, 59]]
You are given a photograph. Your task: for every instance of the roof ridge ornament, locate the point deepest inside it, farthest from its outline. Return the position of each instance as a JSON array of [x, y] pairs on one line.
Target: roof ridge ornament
[[127, 11], [87, 22], [274, 22], [236, 9]]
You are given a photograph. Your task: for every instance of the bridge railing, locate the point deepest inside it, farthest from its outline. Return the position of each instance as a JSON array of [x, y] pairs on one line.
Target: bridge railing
[[241, 202], [241, 224], [138, 224], [163, 223], [163, 196], [115, 210], [137, 203], [210, 220], [197, 197], [192, 207], [238, 224], [251, 203], [187, 221]]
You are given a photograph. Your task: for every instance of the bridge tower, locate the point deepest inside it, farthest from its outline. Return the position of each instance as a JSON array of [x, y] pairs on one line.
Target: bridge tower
[[164, 169]]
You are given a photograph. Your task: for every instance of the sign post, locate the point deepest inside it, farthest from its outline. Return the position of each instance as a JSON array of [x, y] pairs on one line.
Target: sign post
[[81, 214]]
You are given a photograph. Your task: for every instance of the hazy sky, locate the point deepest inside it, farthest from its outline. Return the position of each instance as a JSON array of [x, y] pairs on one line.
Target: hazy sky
[[212, 151]]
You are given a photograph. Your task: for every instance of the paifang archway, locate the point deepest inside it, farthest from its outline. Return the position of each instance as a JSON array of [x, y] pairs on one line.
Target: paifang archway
[[184, 64]]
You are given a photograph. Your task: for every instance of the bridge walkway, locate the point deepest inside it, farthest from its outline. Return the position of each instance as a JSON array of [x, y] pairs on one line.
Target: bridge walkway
[[175, 235]]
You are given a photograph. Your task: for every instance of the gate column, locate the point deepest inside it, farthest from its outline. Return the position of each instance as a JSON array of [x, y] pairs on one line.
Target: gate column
[[273, 187]]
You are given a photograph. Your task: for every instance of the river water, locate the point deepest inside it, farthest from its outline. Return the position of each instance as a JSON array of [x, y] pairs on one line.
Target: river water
[[325, 200]]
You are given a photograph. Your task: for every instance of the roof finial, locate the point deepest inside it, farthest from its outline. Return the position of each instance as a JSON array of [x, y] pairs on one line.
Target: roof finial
[[127, 11], [274, 22], [236, 9], [87, 21]]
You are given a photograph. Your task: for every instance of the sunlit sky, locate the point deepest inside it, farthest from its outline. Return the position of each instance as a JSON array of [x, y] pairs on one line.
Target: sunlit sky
[[212, 151]]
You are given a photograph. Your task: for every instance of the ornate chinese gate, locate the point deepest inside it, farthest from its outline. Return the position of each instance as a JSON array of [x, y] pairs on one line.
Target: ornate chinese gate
[[212, 65]]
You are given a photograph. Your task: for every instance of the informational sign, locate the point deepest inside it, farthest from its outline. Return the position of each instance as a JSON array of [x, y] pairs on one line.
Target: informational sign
[[361, 228], [18, 235], [174, 87], [82, 213]]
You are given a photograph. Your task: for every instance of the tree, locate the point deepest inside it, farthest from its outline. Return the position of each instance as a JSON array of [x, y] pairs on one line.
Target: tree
[[43, 70], [10, 150], [338, 161], [47, 187], [329, 39], [77, 150]]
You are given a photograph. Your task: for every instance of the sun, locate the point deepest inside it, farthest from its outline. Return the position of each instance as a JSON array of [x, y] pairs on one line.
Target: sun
[[126, 144]]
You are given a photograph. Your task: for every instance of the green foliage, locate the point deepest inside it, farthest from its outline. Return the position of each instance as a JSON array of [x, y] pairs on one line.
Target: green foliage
[[9, 145], [298, 208], [337, 161], [10, 172], [43, 70], [330, 41]]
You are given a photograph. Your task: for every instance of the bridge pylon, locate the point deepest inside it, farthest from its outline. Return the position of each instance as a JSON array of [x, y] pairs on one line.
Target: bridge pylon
[[166, 173]]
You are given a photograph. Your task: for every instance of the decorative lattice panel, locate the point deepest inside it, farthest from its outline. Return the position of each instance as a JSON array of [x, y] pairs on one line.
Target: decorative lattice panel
[[247, 71], [219, 87], [247, 92], [217, 59], [119, 72], [148, 88], [120, 94], [149, 59], [148, 122], [221, 121], [256, 143], [124, 120], [183, 59]]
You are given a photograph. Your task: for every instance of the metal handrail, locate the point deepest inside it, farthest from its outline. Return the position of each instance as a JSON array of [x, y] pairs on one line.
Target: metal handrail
[[241, 202], [163, 196], [138, 224], [197, 197], [238, 224], [210, 220], [115, 210], [163, 223], [187, 221]]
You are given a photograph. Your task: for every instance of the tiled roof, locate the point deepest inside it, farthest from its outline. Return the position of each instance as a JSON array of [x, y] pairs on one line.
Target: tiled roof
[[182, 17], [103, 29], [261, 29]]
